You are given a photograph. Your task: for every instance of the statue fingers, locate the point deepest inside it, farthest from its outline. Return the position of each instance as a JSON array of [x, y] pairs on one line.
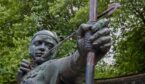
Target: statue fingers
[[24, 69], [26, 61], [105, 47], [102, 32], [23, 64], [20, 71], [101, 41], [82, 29], [100, 24]]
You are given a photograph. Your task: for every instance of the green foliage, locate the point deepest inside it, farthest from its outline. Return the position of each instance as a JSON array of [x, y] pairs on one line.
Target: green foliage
[[66, 48], [130, 49], [103, 70], [129, 46]]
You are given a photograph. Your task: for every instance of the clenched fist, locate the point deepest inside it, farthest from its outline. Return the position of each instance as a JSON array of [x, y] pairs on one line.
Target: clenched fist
[[94, 36]]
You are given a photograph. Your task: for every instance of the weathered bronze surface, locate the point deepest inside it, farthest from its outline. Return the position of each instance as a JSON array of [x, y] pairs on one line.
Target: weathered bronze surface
[[44, 69]]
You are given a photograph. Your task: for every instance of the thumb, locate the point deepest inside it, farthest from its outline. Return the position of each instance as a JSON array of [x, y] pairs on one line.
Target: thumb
[[82, 29]]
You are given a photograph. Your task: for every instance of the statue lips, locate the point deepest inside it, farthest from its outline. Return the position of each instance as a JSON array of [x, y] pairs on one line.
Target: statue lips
[[39, 54], [39, 57]]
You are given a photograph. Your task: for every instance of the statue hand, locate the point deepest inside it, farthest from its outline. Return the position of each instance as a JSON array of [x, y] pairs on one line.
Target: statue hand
[[100, 38], [23, 70]]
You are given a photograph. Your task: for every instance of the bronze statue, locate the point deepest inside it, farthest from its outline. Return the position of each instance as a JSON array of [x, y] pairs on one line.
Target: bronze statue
[[44, 69]]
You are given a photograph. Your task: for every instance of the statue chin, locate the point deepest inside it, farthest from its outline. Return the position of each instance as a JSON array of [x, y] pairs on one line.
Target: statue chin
[[39, 60]]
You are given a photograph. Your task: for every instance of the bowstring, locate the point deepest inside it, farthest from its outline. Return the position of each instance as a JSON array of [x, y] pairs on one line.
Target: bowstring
[[65, 39]]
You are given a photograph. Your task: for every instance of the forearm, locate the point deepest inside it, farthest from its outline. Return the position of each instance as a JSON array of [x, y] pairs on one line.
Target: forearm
[[72, 65], [78, 62]]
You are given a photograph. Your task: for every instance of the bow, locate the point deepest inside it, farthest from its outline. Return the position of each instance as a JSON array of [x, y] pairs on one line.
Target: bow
[[91, 62]]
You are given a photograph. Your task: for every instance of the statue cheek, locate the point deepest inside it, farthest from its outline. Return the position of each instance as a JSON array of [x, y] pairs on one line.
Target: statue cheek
[[47, 49], [32, 50]]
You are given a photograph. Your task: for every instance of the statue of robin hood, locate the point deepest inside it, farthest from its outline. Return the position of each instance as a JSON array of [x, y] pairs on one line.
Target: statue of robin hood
[[44, 69], [67, 70]]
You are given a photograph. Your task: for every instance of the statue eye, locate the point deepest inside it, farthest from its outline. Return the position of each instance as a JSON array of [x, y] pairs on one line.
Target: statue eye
[[50, 45], [37, 43]]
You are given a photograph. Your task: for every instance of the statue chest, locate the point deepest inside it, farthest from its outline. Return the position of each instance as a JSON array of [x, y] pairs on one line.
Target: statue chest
[[36, 76], [47, 73]]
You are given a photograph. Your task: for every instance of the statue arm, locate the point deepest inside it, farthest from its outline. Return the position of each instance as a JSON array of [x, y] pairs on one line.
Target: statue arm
[[71, 67], [74, 65]]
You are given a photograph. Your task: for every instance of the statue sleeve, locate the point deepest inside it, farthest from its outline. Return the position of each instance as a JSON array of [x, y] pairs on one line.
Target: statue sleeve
[[71, 67]]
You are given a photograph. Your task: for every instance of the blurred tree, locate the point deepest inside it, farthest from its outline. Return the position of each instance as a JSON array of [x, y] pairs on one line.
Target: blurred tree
[[128, 41], [130, 47]]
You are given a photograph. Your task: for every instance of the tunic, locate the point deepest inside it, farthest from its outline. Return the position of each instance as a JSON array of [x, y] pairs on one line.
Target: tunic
[[67, 70]]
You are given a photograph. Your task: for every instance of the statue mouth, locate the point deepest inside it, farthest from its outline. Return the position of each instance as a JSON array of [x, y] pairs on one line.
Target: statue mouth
[[39, 54], [39, 60]]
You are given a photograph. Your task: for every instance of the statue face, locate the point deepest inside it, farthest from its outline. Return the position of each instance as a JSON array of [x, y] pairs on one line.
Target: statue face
[[40, 48]]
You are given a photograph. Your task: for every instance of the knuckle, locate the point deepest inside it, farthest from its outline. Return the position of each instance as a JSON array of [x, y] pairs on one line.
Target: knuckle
[[81, 26], [19, 71], [21, 67], [94, 28], [107, 29], [26, 61], [109, 38], [98, 33], [107, 46], [97, 42], [23, 64]]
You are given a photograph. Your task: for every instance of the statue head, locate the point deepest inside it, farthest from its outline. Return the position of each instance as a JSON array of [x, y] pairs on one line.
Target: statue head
[[41, 47]]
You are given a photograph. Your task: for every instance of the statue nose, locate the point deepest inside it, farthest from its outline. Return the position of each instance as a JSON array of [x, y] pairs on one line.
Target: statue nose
[[42, 47]]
